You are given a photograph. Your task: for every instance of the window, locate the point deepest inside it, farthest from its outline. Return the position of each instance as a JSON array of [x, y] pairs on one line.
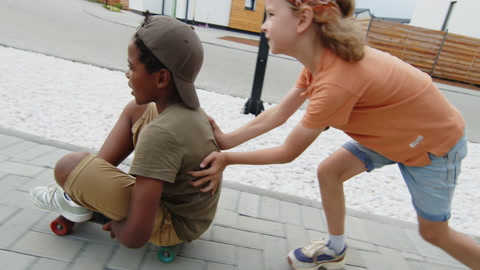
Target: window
[[250, 4]]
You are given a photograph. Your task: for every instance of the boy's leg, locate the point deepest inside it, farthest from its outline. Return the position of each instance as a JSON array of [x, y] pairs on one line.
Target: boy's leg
[[98, 185], [116, 148], [92, 184], [53, 198], [458, 245]]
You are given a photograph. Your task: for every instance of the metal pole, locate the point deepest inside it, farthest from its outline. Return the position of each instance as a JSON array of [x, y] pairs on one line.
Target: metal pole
[[447, 18], [368, 28], [254, 105], [186, 12], [439, 52]]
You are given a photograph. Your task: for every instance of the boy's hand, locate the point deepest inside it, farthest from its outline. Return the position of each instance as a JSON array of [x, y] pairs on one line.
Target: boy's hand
[[212, 174], [108, 227]]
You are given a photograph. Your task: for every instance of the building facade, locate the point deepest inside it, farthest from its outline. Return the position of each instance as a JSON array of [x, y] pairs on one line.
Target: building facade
[[246, 15], [458, 17]]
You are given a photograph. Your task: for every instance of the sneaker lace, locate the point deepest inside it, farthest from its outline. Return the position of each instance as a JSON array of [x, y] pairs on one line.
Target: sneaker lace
[[315, 248], [49, 195]]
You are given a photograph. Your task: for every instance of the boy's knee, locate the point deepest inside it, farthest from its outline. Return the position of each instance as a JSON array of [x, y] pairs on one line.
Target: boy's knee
[[65, 166]]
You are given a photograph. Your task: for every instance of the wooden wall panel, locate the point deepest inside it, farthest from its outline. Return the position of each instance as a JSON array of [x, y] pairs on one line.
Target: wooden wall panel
[[412, 44], [247, 20], [440, 54], [460, 59]]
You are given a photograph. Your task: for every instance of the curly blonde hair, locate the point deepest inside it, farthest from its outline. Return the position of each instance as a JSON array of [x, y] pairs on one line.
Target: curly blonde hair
[[335, 26]]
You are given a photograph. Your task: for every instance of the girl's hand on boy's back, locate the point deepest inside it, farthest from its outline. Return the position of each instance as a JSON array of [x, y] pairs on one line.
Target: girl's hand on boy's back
[[213, 166], [219, 135]]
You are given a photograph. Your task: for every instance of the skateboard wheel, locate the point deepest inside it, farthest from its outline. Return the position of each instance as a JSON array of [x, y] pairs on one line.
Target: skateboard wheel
[[61, 226], [166, 255]]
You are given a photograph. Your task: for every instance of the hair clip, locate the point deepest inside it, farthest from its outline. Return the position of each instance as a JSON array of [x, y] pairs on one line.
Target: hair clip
[[317, 5]]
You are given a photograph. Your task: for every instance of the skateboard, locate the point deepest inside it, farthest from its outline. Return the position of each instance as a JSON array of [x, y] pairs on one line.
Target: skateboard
[[62, 226]]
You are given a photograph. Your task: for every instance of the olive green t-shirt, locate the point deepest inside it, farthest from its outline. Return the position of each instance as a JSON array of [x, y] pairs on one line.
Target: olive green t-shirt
[[170, 146]]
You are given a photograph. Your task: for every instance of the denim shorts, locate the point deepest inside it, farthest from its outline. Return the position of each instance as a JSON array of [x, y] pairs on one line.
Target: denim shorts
[[431, 186]]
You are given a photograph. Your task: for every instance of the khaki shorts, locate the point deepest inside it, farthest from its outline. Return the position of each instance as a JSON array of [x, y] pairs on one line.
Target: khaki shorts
[[101, 187]]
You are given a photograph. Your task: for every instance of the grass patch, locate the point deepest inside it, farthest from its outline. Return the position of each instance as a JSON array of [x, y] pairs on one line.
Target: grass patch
[[116, 8]]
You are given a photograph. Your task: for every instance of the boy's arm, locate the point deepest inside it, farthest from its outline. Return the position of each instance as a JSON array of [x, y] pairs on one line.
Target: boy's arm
[[136, 229], [119, 144]]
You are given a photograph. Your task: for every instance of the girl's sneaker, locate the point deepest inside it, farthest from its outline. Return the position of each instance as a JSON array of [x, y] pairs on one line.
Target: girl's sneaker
[[53, 198], [316, 255]]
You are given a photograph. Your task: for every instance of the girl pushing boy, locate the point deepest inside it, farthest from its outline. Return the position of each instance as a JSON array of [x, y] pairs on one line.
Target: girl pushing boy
[[392, 111]]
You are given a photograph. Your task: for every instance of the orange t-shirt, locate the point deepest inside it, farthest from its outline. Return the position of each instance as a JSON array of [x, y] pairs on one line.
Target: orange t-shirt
[[383, 103]]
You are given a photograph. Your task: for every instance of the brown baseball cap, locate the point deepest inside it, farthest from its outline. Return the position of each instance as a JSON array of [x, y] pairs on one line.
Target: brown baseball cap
[[178, 47]]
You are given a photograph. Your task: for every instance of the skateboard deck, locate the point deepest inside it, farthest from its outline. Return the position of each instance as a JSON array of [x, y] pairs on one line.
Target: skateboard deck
[[62, 226]]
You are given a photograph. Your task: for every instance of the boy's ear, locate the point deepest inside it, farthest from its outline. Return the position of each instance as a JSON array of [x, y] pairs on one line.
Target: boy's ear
[[305, 18], [164, 78]]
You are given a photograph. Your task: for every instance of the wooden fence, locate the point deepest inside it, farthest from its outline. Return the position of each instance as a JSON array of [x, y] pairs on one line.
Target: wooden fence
[[440, 54]]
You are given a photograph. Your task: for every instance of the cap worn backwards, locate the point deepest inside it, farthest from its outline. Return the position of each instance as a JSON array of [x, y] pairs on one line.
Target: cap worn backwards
[[178, 47]]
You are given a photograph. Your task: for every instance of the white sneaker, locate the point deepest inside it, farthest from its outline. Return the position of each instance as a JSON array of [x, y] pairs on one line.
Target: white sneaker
[[315, 256], [53, 198]]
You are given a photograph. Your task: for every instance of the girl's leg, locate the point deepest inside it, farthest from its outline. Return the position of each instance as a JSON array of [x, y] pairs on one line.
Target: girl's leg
[[332, 172], [458, 245]]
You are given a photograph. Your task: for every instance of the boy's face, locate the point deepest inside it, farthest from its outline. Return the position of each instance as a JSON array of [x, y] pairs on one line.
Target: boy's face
[[143, 84]]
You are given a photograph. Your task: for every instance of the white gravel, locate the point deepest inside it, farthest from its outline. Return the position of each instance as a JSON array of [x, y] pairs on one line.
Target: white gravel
[[79, 104]]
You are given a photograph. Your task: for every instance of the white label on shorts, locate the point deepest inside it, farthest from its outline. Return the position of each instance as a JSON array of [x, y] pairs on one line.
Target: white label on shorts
[[416, 142]]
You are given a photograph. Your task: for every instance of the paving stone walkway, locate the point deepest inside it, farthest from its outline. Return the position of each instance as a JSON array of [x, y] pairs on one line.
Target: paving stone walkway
[[253, 228]]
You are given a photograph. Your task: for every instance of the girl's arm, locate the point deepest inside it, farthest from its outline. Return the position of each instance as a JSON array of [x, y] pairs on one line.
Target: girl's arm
[[264, 122], [297, 141], [295, 144]]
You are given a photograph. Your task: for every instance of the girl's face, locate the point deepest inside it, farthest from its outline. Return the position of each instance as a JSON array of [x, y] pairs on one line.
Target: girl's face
[[143, 84], [280, 26]]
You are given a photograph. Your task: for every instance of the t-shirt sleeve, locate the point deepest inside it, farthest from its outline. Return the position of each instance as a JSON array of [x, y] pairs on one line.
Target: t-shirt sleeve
[[329, 105], [157, 155], [303, 79]]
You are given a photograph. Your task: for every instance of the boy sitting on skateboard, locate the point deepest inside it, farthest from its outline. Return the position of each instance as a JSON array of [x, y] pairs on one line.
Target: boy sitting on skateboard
[[155, 202]]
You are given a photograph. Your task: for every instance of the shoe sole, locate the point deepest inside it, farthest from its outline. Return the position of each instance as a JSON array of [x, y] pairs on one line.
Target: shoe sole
[[327, 266], [67, 215]]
